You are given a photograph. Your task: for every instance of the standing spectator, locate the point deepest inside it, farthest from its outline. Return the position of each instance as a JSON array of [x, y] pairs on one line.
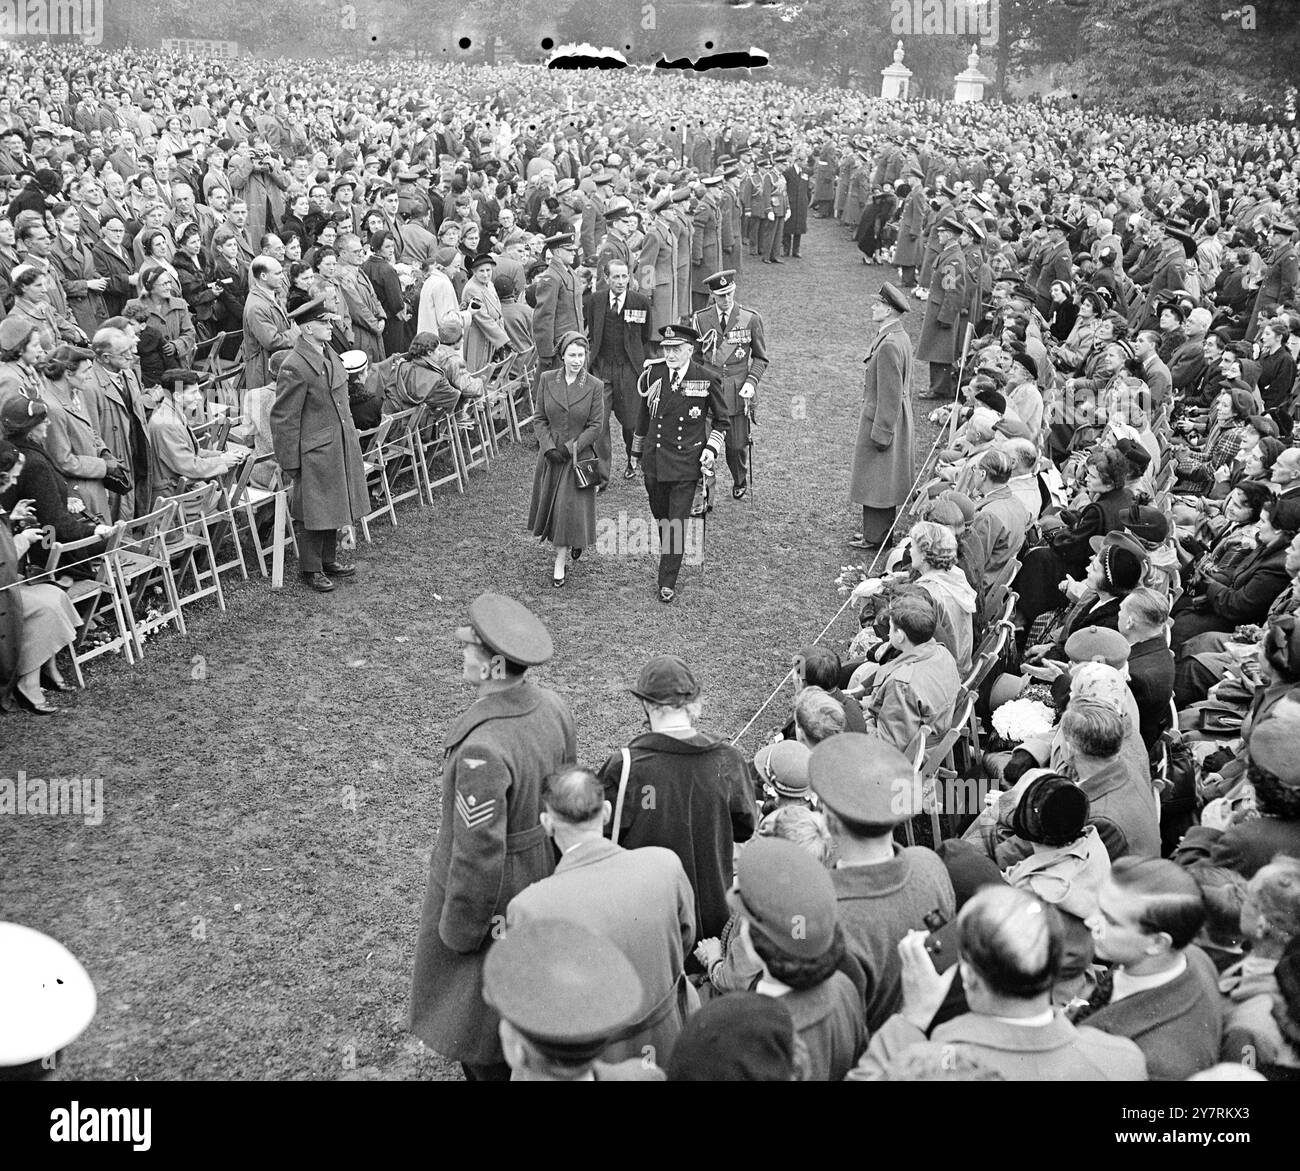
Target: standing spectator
[[167, 314], [683, 788], [316, 444], [123, 426], [113, 263], [267, 327], [638, 899], [72, 439], [72, 258], [364, 307], [559, 300], [383, 277]]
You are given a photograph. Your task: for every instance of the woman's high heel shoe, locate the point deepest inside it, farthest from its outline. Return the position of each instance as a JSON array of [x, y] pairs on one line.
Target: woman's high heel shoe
[[39, 709], [59, 685]]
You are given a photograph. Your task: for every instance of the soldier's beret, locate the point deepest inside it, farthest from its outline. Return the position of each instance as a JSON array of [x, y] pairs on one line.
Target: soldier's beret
[[46, 997], [564, 987], [1097, 644], [780, 885], [864, 780], [507, 628], [894, 298]]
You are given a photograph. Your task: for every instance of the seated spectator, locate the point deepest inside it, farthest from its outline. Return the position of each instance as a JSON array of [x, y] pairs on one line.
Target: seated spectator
[[1270, 920], [934, 561], [1010, 948], [817, 716], [743, 1037], [1144, 622], [819, 666], [176, 461], [427, 373], [782, 772], [776, 884], [1162, 991], [917, 689]]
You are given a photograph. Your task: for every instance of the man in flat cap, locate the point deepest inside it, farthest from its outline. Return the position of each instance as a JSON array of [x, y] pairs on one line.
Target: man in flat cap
[[731, 340], [563, 993], [559, 299], [491, 843], [947, 311], [682, 788], [316, 445], [679, 434], [881, 476]]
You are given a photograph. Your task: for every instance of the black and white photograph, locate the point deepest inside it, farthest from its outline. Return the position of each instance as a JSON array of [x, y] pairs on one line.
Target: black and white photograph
[[466, 616]]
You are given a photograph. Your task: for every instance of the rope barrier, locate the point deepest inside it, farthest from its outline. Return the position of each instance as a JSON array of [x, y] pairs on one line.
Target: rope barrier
[[884, 545]]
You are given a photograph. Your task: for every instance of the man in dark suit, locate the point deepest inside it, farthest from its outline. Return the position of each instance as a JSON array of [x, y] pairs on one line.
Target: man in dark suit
[[618, 324], [1281, 277], [1143, 618], [680, 432], [559, 300]]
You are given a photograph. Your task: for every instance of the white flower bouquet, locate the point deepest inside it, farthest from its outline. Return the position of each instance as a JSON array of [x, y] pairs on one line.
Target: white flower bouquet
[[1022, 719]]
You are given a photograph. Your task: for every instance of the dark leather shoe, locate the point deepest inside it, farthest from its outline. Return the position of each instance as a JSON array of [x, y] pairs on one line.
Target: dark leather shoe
[[738, 492], [61, 685], [340, 570], [629, 472], [39, 709], [666, 595], [319, 582], [575, 553], [701, 509], [777, 260]]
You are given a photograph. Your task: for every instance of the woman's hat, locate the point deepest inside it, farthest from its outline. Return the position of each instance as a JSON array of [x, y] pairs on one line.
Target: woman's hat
[[14, 332], [784, 766], [19, 415], [1052, 811], [569, 338]]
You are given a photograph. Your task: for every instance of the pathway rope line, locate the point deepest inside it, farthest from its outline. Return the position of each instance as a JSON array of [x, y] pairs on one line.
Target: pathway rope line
[[921, 478]]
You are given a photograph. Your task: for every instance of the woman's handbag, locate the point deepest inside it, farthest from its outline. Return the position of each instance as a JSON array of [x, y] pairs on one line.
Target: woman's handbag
[[587, 472]]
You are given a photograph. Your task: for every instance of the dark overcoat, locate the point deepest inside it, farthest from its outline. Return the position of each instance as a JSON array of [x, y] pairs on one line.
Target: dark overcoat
[[568, 418], [490, 846], [910, 247], [637, 339], [882, 455], [316, 440], [947, 310], [797, 189]]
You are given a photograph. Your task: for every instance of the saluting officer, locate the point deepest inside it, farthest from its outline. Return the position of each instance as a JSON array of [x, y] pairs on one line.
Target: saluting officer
[[491, 843], [731, 339], [680, 432], [706, 241]]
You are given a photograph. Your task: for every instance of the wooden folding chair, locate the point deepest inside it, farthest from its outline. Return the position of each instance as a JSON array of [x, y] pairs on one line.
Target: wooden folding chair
[[372, 445], [440, 438], [247, 500], [190, 547], [92, 597], [940, 760], [519, 376], [141, 560], [400, 457]]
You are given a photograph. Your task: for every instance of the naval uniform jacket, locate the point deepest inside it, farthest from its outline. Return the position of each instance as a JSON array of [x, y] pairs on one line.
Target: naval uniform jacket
[[735, 347], [676, 423]]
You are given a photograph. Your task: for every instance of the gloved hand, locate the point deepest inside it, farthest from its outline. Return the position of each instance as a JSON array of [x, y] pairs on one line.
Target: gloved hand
[[557, 455]]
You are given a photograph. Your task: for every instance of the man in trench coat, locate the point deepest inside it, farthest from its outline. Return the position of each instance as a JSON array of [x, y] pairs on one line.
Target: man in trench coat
[[316, 444], [947, 310], [882, 456], [491, 843]]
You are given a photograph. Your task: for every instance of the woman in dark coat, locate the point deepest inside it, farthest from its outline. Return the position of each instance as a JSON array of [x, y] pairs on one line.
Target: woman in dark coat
[[1068, 548], [570, 406], [798, 191], [388, 288], [196, 292]]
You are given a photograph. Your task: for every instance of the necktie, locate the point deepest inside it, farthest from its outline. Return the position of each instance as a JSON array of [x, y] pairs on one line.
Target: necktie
[[616, 303]]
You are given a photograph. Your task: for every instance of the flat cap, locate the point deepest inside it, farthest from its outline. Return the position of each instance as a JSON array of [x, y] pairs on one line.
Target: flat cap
[[46, 997], [864, 780], [1097, 644], [787, 896], [666, 679], [564, 987], [509, 629]]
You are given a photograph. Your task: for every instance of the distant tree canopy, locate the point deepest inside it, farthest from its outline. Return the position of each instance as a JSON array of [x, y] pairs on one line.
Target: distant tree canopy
[[1190, 58]]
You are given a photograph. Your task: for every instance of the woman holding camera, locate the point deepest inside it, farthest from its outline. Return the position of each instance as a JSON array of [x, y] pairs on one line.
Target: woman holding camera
[[570, 410], [487, 331]]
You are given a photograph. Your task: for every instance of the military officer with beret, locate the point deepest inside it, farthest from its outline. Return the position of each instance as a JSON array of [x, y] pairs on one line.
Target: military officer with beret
[[491, 843], [947, 309], [883, 890], [680, 431], [316, 444], [882, 456], [563, 993], [731, 340]]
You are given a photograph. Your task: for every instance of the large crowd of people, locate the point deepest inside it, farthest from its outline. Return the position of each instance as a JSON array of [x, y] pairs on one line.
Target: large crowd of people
[[1106, 543]]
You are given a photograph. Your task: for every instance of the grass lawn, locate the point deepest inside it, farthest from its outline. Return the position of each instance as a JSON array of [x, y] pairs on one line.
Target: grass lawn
[[248, 906]]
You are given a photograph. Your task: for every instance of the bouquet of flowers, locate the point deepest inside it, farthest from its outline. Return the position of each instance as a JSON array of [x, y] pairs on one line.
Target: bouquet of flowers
[[1023, 719]]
